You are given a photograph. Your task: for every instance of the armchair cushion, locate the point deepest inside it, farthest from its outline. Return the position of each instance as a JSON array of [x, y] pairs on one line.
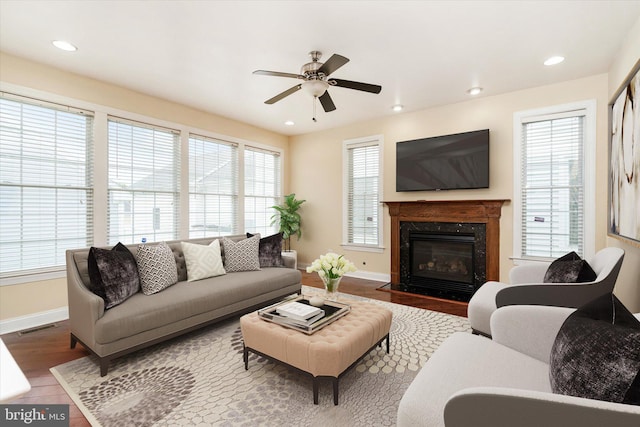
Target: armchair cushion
[[596, 354], [569, 268]]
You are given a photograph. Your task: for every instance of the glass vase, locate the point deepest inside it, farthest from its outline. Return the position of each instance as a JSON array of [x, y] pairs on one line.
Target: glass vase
[[331, 288]]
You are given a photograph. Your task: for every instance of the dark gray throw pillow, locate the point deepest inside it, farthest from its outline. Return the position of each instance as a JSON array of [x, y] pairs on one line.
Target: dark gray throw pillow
[[569, 268], [270, 251], [596, 353], [113, 274]]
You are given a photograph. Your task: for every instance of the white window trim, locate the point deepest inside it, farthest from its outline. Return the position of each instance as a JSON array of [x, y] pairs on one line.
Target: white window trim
[[100, 150], [521, 117], [346, 144]]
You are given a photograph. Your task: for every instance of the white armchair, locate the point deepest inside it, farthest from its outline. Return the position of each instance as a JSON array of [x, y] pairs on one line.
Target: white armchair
[[473, 381], [526, 287]]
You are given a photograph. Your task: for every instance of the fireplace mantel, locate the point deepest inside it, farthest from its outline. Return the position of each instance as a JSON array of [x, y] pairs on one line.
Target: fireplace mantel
[[457, 211]]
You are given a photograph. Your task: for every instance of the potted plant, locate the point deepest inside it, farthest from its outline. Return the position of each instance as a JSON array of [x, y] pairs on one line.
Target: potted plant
[[288, 218]]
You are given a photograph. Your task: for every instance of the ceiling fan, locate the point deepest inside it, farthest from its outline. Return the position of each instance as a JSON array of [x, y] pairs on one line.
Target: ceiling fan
[[315, 79]]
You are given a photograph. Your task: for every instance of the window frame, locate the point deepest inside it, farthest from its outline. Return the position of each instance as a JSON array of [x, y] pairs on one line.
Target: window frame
[[373, 140], [100, 166], [46, 272], [587, 109], [278, 176]]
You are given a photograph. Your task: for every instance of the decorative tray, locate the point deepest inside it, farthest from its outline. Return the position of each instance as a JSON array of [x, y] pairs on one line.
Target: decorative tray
[[333, 311]]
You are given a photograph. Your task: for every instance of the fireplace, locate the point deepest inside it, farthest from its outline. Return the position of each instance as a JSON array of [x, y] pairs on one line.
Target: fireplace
[[441, 261], [444, 248]]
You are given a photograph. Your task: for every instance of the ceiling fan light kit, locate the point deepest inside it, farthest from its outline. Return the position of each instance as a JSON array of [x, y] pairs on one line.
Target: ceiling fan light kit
[[316, 81]]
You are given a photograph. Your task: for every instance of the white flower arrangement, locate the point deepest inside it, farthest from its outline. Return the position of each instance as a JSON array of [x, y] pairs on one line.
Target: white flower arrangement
[[331, 266]]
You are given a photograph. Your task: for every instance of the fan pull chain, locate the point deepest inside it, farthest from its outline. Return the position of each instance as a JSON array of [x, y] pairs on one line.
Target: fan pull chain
[[315, 98]]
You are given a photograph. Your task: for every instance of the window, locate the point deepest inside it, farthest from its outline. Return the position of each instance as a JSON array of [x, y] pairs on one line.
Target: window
[[213, 187], [45, 184], [554, 161], [143, 182], [362, 218], [261, 189]]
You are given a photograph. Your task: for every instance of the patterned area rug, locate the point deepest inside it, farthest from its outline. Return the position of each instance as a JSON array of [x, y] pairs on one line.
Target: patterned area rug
[[199, 379]]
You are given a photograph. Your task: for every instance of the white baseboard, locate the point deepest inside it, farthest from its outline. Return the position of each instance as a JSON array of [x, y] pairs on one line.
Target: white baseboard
[[360, 274], [33, 320]]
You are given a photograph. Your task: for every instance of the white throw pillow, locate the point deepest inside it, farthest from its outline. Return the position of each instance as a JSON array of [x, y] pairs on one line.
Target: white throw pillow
[[157, 267], [202, 261], [242, 255]]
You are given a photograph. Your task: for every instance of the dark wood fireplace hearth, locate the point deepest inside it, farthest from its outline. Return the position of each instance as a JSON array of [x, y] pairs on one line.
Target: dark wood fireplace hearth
[[446, 249]]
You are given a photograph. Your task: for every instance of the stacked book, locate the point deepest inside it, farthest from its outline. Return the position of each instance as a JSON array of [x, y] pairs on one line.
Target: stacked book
[[299, 314]]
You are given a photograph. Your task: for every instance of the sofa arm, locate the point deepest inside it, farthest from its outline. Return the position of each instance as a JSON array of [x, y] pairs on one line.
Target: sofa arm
[[528, 273], [529, 329], [505, 407], [85, 307]]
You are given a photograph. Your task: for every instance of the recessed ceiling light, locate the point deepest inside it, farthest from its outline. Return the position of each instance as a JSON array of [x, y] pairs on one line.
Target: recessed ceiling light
[[474, 91], [64, 45], [289, 123], [397, 107], [554, 60]]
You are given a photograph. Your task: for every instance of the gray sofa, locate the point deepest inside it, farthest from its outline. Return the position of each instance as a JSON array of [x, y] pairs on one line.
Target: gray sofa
[[144, 320], [473, 381]]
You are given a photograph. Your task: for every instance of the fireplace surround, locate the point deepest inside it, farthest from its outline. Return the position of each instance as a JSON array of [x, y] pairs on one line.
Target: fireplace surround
[[444, 248]]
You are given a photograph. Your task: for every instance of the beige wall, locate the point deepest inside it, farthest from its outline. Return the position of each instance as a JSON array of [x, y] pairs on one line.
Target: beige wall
[[316, 173], [30, 298], [628, 286]]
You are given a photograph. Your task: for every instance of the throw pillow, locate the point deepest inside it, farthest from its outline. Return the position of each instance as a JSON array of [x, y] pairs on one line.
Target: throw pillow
[[242, 255], [157, 267], [596, 353], [113, 274], [202, 261], [569, 268], [270, 251]]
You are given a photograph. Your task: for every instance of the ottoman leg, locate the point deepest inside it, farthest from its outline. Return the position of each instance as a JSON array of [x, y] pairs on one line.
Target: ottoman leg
[[245, 357], [335, 390], [387, 343], [315, 390]]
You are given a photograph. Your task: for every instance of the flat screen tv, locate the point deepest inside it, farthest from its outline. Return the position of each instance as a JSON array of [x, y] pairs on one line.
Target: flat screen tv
[[447, 162]]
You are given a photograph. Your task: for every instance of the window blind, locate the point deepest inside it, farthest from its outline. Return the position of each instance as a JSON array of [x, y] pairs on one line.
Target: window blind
[[46, 184], [552, 185], [262, 189], [213, 187], [144, 174], [363, 186]]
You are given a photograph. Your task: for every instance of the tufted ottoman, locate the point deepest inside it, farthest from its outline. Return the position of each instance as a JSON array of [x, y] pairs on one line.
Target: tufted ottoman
[[329, 352]]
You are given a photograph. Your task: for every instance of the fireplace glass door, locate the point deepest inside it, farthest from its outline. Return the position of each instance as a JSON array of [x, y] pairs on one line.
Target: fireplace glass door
[[439, 260]]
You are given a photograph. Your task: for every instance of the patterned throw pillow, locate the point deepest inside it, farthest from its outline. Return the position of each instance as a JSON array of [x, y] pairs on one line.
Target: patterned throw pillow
[[113, 274], [202, 261], [242, 255], [570, 268], [157, 268], [270, 250]]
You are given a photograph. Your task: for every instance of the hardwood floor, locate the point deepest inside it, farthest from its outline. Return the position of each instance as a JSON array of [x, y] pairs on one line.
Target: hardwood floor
[[37, 351]]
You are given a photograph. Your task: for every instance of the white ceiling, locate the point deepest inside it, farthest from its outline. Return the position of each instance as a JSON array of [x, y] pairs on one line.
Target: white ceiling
[[423, 53]]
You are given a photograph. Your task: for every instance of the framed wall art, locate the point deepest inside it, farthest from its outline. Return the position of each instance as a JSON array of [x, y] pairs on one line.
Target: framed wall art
[[624, 160]]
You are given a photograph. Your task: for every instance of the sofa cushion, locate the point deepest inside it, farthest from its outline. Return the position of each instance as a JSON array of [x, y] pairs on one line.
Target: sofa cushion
[[157, 267], [113, 274], [242, 255], [270, 251], [569, 268], [596, 353], [186, 300], [202, 260]]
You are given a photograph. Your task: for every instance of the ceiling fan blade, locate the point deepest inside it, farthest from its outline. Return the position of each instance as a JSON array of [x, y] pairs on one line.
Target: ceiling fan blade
[[365, 87], [327, 102], [278, 74], [336, 61], [283, 94]]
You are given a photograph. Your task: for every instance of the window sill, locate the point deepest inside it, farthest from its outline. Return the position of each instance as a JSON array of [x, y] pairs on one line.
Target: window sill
[[19, 278], [362, 248]]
